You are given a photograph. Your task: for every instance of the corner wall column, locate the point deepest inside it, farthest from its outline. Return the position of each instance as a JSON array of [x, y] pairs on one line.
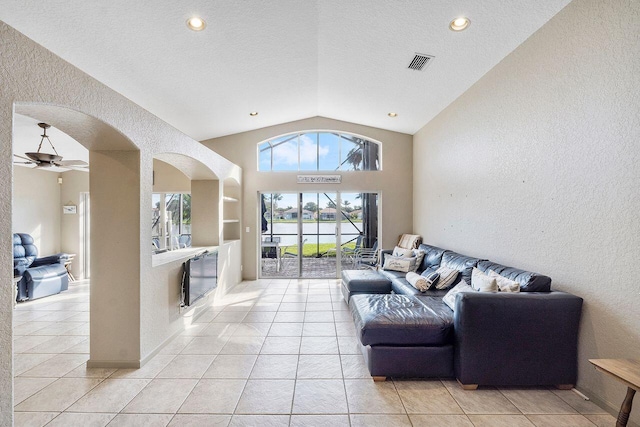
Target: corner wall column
[[115, 259]]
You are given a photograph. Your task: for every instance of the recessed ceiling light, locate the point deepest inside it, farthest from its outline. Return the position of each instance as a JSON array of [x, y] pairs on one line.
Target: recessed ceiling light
[[459, 24], [253, 113], [196, 23], [392, 114]]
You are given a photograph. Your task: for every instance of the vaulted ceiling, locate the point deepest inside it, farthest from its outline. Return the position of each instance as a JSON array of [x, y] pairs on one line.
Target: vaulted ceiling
[[285, 59]]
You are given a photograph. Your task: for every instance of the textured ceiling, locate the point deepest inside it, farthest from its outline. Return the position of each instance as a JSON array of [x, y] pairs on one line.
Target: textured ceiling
[[286, 59]]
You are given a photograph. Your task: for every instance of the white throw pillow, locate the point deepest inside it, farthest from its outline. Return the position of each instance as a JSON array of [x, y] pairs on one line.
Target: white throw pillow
[[505, 285], [395, 263], [447, 277], [450, 297], [418, 282], [402, 252], [483, 282]]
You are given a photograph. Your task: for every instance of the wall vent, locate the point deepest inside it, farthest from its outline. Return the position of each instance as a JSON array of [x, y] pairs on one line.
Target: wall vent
[[420, 61]]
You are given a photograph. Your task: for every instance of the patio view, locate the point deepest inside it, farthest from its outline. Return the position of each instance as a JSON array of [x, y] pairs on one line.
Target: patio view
[[306, 235]]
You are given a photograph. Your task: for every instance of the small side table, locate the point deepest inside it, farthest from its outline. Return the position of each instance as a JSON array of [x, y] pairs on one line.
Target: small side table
[[67, 265], [626, 371], [16, 280]]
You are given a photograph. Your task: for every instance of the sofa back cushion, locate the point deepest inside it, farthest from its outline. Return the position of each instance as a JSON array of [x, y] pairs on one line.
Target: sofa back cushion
[[464, 264], [432, 257], [529, 281], [24, 251]]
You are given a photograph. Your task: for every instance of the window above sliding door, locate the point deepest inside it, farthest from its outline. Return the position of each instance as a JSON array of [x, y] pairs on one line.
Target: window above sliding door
[[318, 151]]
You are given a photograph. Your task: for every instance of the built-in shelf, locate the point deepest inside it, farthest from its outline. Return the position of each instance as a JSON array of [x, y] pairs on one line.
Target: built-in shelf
[[232, 210]]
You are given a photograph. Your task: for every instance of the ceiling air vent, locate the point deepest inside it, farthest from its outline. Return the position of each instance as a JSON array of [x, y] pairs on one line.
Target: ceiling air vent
[[420, 61]]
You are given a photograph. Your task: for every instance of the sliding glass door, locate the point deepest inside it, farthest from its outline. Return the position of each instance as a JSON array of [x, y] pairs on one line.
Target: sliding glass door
[[315, 235]]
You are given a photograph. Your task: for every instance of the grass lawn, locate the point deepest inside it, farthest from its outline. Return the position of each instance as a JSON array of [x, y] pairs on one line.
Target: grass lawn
[[312, 249]]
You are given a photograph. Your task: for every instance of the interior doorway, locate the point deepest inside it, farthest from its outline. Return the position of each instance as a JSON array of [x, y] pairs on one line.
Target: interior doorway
[[315, 234]]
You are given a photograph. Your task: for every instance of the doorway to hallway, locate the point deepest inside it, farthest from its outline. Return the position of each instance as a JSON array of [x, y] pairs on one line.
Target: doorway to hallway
[[315, 235]]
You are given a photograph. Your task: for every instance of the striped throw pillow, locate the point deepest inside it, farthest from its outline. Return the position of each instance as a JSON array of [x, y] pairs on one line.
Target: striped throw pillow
[[447, 277]]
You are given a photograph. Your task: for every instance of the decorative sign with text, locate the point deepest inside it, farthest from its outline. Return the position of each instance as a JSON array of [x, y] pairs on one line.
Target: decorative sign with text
[[319, 179]]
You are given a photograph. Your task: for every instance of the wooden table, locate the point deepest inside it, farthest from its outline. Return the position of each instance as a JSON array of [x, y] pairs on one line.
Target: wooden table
[[67, 265], [626, 371]]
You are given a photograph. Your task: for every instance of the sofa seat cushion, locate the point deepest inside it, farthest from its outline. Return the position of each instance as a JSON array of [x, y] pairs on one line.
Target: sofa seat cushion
[[529, 281], [401, 320], [403, 287], [365, 281], [392, 275]]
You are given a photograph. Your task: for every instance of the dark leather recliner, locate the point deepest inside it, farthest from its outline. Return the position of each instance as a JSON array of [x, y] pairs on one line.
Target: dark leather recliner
[[41, 277]]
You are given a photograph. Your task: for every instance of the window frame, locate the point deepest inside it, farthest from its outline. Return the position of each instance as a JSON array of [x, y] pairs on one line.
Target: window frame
[[287, 137]]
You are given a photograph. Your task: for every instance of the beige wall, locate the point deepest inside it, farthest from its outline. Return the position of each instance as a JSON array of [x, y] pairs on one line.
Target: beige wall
[[36, 208], [168, 179], [73, 184], [536, 166], [394, 182]]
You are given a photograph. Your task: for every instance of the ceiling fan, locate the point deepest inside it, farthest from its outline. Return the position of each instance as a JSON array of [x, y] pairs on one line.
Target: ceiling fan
[[46, 160]]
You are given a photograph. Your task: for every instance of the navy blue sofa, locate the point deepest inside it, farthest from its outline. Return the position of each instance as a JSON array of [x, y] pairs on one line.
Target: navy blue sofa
[[503, 339], [41, 277]]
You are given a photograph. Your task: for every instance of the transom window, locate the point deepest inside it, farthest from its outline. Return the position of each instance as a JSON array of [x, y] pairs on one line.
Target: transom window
[[318, 151]]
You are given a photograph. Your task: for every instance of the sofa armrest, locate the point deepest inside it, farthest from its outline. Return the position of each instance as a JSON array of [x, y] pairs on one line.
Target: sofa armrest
[[384, 252], [48, 260], [525, 338]]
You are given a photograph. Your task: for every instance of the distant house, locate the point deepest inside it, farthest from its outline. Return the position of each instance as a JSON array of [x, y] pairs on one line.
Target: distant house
[[357, 214], [327, 214], [293, 214]]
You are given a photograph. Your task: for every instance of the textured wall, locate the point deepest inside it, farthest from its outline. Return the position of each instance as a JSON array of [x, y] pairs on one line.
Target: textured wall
[[31, 74], [36, 208], [536, 166], [394, 182]]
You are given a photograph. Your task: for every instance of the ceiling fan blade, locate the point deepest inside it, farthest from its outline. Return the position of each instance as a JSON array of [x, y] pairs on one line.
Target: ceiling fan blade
[[76, 163], [23, 163]]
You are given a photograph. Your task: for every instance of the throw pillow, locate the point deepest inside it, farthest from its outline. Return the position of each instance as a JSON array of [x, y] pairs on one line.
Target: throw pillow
[[447, 277], [505, 285], [450, 297], [402, 252], [395, 263], [419, 257], [417, 281], [431, 278], [483, 282]]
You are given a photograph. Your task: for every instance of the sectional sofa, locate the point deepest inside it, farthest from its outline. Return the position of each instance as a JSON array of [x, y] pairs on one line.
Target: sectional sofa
[[527, 338]]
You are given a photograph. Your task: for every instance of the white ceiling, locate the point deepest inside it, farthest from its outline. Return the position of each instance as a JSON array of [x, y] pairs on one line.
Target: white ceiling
[[287, 59]]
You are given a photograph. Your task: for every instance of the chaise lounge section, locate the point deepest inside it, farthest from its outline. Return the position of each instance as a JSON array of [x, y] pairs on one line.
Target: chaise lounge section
[[526, 338]]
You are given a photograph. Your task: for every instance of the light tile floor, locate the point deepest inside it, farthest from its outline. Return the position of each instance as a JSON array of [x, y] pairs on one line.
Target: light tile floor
[[269, 353]]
